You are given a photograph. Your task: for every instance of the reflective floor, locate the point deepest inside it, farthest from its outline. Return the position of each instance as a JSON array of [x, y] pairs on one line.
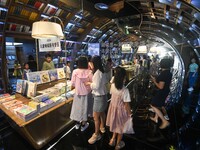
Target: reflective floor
[[182, 134], [147, 135]]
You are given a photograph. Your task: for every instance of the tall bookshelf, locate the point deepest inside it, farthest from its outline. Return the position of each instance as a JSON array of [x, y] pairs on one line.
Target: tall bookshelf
[[4, 5]]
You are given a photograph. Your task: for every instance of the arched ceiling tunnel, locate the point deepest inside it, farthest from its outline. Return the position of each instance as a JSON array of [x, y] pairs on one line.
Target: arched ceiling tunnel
[[175, 21]]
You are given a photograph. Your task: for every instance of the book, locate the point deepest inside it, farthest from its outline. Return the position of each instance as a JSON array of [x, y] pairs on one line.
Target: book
[[53, 75], [19, 86], [44, 76], [43, 107], [6, 99], [41, 98], [58, 12], [41, 6], [37, 4], [33, 16], [11, 103], [16, 107], [4, 95], [25, 87], [34, 105], [61, 73], [31, 91], [26, 113], [34, 77]]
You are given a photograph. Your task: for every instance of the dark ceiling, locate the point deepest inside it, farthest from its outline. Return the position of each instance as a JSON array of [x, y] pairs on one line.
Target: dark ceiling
[[140, 21], [177, 21]]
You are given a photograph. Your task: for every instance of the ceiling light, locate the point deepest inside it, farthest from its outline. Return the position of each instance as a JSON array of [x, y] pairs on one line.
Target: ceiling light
[[101, 6], [46, 29]]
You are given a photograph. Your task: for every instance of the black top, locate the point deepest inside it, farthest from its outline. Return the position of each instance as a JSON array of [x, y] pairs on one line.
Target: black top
[[161, 95], [165, 76]]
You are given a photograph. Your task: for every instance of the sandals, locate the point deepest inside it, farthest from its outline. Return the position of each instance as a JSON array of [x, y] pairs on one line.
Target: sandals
[[112, 142]]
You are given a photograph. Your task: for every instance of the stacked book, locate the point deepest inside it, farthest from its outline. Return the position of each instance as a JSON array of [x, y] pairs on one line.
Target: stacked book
[[26, 113]]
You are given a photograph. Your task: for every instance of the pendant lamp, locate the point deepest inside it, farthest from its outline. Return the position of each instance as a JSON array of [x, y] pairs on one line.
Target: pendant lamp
[[47, 29]]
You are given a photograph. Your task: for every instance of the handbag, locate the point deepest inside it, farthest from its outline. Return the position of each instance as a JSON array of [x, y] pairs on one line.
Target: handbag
[[128, 126]]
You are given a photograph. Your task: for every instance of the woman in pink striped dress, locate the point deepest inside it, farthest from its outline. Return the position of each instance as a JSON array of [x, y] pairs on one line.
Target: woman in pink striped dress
[[119, 109]]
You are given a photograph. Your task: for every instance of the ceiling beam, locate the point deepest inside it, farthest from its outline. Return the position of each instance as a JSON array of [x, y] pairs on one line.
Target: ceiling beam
[[96, 22]]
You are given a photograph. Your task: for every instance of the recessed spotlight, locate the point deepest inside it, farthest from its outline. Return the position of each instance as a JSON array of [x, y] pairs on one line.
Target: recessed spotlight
[[101, 6]]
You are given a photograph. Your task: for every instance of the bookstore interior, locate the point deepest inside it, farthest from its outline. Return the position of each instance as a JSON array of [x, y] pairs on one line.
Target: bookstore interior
[[120, 30]]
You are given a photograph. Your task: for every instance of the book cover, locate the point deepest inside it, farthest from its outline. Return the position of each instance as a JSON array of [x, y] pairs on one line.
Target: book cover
[[34, 77], [52, 11], [37, 4], [19, 86], [53, 74], [44, 76], [46, 8], [4, 95], [6, 99], [41, 6], [13, 27], [26, 113], [61, 73], [58, 12], [31, 92], [11, 103]]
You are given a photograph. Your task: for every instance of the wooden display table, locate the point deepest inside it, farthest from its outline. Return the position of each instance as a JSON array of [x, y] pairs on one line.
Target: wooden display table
[[45, 126]]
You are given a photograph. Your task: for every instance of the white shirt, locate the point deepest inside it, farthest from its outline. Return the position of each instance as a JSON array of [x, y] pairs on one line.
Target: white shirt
[[98, 84], [68, 71], [126, 95]]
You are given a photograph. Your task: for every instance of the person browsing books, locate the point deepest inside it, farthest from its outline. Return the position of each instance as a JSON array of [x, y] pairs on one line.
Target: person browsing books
[[48, 63], [25, 70]]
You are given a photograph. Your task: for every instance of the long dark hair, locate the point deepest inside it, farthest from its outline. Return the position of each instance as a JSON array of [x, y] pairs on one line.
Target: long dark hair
[[97, 63], [120, 74]]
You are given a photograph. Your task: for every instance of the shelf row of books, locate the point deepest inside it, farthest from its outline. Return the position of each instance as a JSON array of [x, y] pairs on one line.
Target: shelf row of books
[[18, 28], [3, 13], [23, 12], [32, 3], [40, 77]]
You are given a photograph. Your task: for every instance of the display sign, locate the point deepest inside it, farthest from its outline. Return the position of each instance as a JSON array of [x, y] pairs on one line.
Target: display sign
[[93, 49], [49, 44], [126, 48]]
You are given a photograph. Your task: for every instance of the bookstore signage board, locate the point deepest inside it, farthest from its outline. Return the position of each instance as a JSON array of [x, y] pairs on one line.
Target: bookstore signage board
[[49, 44]]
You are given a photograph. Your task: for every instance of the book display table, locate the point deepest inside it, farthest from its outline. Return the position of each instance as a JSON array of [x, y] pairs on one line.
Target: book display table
[[39, 130]]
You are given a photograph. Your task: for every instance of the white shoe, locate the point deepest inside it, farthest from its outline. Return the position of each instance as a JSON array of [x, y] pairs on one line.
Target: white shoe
[[77, 126], [166, 117], [94, 138], [84, 127], [120, 145], [151, 109], [190, 89]]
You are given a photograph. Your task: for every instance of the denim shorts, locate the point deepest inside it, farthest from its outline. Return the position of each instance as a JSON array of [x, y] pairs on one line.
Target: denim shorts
[[100, 103]]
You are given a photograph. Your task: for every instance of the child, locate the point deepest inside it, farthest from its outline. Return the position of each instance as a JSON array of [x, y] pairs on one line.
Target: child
[[99, 91], [192, 74], [26, 70], [119, 109], [81, 106], [68, 70], [17, 69], [48, 63]]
